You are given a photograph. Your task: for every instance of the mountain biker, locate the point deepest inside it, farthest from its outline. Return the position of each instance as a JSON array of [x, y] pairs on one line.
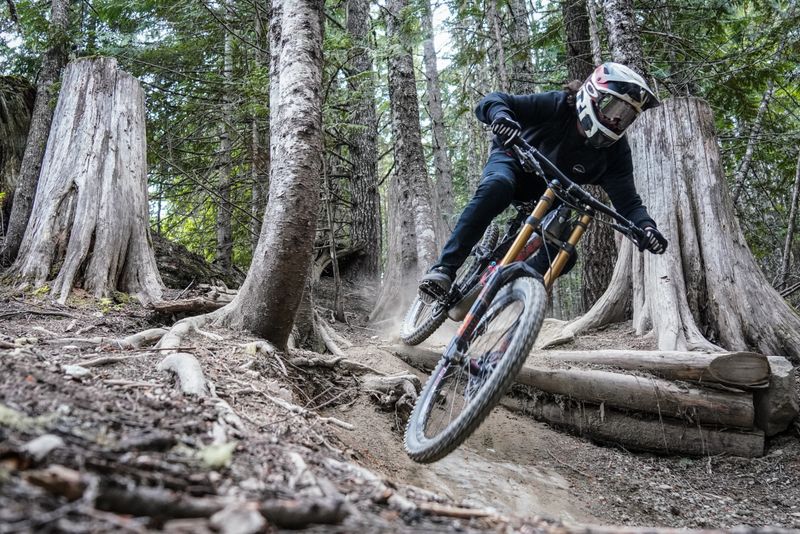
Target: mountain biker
[[581, 130]]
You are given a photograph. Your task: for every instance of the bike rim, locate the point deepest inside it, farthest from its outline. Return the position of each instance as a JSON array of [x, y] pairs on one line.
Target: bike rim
[[458, 383], [424, 312]]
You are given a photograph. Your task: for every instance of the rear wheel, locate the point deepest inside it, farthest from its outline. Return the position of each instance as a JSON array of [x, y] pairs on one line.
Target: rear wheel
[[461, 392], [423, 319]]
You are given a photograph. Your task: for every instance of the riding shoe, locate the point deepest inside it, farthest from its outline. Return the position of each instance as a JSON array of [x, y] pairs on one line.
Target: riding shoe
[[435, 284]]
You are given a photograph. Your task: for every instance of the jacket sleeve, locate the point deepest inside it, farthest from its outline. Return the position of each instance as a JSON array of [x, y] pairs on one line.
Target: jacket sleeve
[[618, 183], [525, 109]]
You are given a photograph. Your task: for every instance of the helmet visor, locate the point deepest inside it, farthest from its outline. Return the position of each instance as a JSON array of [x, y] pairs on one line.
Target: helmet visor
[[615, 113]]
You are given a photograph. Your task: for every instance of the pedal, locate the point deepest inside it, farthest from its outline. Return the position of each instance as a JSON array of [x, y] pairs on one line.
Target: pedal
[[430, 292]]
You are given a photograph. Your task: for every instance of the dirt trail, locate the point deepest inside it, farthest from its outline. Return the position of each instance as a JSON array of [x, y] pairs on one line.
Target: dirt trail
[[505, 465], [519, 466]]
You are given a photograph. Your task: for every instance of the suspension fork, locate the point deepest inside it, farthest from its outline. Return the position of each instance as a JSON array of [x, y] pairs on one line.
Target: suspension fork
[[501, 275], [567, 250]]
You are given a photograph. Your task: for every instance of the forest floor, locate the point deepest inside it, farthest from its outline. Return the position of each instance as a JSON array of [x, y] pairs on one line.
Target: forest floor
[[126, 444]]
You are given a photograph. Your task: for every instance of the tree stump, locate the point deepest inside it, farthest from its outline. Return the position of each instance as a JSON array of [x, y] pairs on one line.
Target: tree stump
[[16, 105], [89, 223], [707, 285]]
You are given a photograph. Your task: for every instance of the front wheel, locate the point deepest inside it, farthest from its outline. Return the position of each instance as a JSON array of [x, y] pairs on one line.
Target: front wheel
[[421, 319], [462, 391]]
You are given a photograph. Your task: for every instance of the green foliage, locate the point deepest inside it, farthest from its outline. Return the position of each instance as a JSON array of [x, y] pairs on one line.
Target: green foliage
[[725, 52]]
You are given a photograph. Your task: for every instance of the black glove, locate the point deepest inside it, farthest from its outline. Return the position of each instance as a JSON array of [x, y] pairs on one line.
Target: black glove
[[653, 240], [506, 129]]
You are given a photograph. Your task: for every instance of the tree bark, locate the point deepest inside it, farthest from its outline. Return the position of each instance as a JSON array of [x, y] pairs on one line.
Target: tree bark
[[443, 187], [400, 275], [498, 55], [270, 296], [661, 435], [579, 51], [409, 158], [410, 193], [644, 394], [89, 222], [46, 91], [790, 228], [623, 35], [16, 100], [737, 369], [743, 169], [598, 250], [777, 404], [707, 281], [260, 155], [364, 197], [224, 252], [594, 32], [523, 81]]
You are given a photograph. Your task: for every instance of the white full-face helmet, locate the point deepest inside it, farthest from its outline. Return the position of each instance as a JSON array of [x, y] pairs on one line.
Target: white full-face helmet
[[609, 101]]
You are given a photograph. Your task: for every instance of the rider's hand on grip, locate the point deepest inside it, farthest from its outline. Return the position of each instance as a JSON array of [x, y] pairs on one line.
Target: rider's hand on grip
[[653, 241], [506, 129]]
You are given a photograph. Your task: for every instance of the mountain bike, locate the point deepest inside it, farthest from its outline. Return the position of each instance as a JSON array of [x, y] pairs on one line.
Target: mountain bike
[[502, 299]]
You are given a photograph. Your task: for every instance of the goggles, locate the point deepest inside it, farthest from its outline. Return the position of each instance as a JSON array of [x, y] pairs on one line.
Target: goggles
[[615, 113]]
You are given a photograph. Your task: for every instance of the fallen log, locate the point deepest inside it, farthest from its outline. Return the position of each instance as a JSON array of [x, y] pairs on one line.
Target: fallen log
[[299, 513], [651, 395], [663, 435], [193, 306], [738, 369], [741, 369], [777, 406]]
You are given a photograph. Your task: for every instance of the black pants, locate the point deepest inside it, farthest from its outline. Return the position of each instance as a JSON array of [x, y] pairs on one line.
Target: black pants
[[503, 181]]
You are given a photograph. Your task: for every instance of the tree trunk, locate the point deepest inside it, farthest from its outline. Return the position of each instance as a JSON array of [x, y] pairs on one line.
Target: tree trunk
[[259, 132], [409, 158], [594, 32], [598, 250], [790, 228], [16, 100], [46, 91], [89, 222], [707, 281], [743, 169], [579, 52], [224, 252], [338, 307], [623, 35], [364, 196], [443, 188], [400, 275], [260, 177], [410, 189], [270, 296], [497, 50], [523, 80]]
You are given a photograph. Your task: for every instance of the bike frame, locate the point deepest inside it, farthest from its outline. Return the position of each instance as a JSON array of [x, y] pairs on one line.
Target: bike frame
[[512, 265]]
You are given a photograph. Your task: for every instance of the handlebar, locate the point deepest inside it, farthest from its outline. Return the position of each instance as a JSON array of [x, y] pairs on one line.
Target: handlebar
[[532, 161]]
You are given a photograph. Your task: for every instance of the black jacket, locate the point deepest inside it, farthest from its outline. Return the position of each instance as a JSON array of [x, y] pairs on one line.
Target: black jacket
[[550, 124]]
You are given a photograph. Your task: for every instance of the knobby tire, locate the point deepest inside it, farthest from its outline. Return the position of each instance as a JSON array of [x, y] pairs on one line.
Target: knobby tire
[[424, 449], [421, 319]]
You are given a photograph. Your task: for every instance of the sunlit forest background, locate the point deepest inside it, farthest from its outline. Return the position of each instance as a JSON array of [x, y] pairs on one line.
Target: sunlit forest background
[[205, 68]]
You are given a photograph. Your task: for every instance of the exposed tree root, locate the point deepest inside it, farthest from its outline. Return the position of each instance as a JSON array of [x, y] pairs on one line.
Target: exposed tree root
[[398, 392], [189, 372], [326, 363], [335, 337], [134, 341], [304, 412]]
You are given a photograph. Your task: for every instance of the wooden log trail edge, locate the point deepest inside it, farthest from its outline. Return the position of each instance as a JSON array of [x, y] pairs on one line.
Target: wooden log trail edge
[[699, 405]]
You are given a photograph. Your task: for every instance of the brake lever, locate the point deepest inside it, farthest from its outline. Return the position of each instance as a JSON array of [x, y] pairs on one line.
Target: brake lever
[[528, 162], [634, 233]]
